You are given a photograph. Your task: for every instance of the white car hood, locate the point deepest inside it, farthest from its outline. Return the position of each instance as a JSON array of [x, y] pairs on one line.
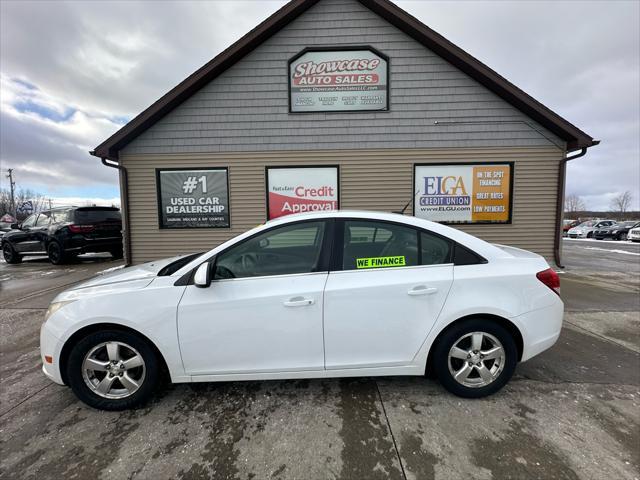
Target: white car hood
[[130, 278]]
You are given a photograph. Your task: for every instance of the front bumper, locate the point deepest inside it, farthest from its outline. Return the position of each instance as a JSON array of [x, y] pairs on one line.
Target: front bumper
[[51, 346]]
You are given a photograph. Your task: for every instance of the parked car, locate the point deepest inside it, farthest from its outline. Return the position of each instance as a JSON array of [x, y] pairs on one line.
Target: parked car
[[634, 234], [568, 225], [315, 295], [64, 233], [617, 231], [586, 229]]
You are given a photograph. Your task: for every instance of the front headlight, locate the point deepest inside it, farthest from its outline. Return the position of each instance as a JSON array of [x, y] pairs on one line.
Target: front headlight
[[54, 307]]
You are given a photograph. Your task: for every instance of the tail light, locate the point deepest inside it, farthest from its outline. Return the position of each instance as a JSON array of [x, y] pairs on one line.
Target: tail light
[[550, 278], [81, 228]]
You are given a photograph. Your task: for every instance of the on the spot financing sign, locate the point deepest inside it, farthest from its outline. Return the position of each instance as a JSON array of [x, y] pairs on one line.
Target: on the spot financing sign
[[299, 190], [338, 81], [465, 193], [193, 198]]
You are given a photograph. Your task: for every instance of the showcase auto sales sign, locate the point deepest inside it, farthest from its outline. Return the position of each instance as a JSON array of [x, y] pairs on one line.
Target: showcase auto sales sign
[[299, 190], [338, 80]]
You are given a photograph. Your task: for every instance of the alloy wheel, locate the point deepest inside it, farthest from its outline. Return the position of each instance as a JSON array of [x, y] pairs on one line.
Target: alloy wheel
[[113, 370], [476, 359]]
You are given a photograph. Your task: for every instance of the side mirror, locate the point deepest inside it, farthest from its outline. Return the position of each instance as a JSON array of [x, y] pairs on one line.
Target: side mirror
[[202, 278], [15, 226]]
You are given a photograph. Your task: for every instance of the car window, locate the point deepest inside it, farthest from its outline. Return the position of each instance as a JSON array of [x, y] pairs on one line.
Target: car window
[[280, 251], [30, 221], [60, 216], [371, 244], [43, 219], [586, 224], [86, 216], [435, 250]]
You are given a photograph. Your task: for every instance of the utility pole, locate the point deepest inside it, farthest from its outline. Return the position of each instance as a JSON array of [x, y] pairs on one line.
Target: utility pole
[[12, 186]]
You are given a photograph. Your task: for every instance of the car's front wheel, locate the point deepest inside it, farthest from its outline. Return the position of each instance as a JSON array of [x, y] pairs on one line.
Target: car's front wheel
[[10, 255], [113, 370], [475, 358]]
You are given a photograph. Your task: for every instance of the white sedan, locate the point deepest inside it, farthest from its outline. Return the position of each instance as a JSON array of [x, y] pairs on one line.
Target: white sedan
[[335, 294]]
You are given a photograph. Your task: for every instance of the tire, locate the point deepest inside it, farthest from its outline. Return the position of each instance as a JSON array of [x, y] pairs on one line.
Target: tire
[[589, 235], [56, 253], [118, 393], [10, 255], [497, 370], [622, 237], [117, 253]]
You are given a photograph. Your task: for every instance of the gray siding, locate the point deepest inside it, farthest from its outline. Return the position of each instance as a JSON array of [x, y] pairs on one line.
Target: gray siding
[[369, 180], [246, 108]]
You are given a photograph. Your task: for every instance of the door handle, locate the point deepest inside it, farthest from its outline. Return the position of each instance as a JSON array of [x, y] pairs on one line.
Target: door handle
[[422, 290], [299, 302]]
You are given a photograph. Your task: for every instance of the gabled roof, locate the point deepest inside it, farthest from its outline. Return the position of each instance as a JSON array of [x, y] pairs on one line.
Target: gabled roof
[[575, 138]]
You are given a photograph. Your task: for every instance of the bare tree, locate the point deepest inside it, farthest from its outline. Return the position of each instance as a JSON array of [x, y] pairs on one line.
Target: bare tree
[[621, 202], [573, 203], [38, 201]]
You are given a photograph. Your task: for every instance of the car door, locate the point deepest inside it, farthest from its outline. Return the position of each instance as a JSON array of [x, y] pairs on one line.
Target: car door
[[263, 310], [22, 239], [39, 233], [384, 294]]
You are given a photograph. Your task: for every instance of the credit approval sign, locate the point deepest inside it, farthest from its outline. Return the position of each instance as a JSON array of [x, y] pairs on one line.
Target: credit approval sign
[[301, 189], [338, 81], [464, 193]]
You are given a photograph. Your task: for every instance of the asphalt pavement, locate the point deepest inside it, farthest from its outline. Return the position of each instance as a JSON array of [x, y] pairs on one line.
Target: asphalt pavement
[[573, 412]]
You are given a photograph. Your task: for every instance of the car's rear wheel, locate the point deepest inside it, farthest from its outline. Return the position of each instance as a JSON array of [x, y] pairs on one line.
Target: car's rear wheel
[[56, 253], [623, 237], [113, 370], [589, 235], [10, 255], [475, 358], [117, 253]]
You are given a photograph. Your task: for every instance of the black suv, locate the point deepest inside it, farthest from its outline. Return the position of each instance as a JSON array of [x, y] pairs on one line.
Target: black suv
[[64, 233]]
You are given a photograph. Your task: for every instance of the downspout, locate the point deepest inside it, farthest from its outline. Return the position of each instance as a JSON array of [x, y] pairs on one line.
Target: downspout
[[124, 182], [560, 204]]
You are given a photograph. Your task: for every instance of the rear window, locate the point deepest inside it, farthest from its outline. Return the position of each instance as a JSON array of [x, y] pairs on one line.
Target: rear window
[[93, 216]]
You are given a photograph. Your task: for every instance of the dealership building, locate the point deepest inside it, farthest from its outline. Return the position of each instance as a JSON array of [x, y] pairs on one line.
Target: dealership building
[[350, 104]]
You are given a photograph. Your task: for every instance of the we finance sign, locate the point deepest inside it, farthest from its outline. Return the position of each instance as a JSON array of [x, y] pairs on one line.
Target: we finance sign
[[338, 81], [301, 189], [464, 193]]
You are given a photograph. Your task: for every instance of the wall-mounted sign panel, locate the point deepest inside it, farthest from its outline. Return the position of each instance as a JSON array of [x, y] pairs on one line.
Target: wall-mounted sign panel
[[464, 193], [193, 198], [338, 81], [301, 189]]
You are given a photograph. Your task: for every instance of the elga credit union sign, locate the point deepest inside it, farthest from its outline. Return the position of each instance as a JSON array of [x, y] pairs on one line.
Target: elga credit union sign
[[298, 190], [338, 81], [193, 198], [464, 193]]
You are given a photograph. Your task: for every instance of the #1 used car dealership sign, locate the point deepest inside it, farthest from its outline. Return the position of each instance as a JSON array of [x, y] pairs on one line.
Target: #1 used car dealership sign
[[193, 198], [464, 193], [338, 80], [301, 189]]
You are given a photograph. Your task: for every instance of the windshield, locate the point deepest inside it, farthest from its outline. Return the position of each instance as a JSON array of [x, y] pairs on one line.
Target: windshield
[[630, 224]]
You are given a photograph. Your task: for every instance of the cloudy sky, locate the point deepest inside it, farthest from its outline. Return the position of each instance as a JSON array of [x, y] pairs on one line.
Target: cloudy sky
[[72, 73]]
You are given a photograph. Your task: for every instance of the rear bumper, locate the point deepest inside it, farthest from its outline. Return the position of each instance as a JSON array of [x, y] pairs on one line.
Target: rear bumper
[[540, 328], [86, 245]]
